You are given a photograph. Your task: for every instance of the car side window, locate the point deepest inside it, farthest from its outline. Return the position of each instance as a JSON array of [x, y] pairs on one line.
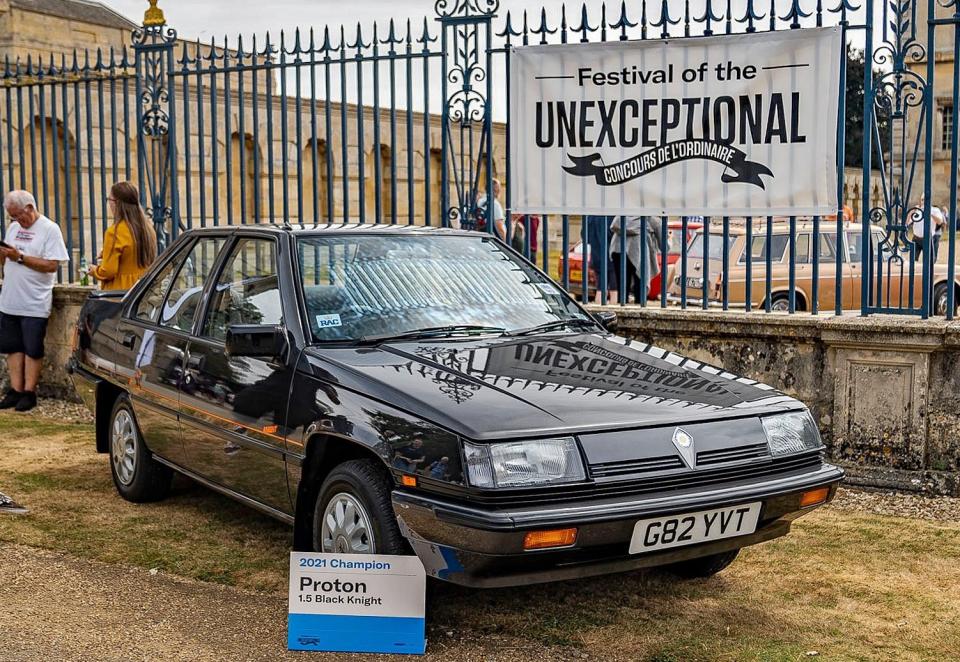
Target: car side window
[[827, 250], [802, 248], [759, 248], [248, 290], [180, 308], [148, 308]]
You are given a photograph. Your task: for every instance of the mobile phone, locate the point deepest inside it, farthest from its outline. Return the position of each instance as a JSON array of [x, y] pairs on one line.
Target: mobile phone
[[5, 244]]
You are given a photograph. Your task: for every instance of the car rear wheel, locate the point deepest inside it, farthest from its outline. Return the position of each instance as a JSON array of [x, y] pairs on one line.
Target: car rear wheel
[[780, 303], [705, 566], [940, 300], [137, 476], [353, 513]]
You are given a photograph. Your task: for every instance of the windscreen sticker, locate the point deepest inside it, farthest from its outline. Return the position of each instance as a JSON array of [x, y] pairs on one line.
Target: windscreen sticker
[[326, 321]]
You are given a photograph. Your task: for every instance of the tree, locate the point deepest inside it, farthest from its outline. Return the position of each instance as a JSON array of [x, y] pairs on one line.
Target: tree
[[853, 147]]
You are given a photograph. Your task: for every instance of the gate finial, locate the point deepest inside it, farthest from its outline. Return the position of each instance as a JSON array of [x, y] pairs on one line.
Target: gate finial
[[153, 17]]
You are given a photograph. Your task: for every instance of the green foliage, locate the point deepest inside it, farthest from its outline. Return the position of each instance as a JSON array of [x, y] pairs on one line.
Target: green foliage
[[853, 121]]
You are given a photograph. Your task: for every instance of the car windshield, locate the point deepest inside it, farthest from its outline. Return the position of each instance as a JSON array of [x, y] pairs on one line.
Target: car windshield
[[365, 286], [695, 249]]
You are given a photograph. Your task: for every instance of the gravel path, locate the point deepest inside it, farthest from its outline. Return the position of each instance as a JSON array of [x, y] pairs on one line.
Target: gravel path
[[56, 607], [62, 411], [899, 504]]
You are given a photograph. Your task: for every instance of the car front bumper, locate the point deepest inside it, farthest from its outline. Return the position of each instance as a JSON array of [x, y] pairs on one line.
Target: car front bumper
[[484, 547]]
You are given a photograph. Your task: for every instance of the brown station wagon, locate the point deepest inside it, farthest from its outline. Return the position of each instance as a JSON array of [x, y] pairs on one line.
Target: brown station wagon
[[895, 287]]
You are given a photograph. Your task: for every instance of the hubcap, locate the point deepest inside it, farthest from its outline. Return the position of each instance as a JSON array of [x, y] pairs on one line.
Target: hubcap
[[941, 308], [781, 306], [123, 442], [346, 527]]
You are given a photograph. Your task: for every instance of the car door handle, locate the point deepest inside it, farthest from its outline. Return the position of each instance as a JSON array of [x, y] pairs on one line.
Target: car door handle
[[128, 340]]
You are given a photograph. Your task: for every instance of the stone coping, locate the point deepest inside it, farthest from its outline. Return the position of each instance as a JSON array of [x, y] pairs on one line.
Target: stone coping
[[891, 331]]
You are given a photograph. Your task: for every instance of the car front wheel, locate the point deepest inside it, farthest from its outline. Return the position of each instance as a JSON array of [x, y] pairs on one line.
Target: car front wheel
[[137, 476], [353, 513], [705, 566]]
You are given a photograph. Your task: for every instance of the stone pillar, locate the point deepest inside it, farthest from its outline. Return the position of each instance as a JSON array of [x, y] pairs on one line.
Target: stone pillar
[[883, 386], [54, 381]]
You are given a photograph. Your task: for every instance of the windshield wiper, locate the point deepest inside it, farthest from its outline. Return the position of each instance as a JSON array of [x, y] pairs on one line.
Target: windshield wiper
[[431, 332], [557, 324]]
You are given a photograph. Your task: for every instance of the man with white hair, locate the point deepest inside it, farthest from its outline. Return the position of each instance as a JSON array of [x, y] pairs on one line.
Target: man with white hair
[[31, 251]]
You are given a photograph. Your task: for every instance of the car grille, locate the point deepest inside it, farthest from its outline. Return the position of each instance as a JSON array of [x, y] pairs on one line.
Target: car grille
[[721, 455], [607, 469], [663, 481]]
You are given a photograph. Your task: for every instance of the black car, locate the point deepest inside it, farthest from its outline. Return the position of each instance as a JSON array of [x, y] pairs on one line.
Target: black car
[[390, 389]]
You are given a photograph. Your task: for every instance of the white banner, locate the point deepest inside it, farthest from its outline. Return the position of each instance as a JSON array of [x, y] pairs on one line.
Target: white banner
[[724, 126]]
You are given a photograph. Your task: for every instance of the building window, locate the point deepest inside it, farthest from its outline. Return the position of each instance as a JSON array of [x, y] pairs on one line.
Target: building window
[[946, 136]]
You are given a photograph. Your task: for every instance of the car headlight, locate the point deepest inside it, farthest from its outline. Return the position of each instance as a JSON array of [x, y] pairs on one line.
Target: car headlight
[[794, 432], [523, 463]]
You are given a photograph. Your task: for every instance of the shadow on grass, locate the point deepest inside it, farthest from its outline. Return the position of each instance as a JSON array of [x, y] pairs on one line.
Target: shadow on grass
[[572, 612]]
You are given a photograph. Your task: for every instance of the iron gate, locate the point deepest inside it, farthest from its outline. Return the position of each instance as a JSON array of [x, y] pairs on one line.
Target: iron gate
[[401, 123]]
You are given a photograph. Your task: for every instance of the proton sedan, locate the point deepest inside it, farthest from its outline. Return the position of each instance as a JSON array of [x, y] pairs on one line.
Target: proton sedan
[[400, 390]]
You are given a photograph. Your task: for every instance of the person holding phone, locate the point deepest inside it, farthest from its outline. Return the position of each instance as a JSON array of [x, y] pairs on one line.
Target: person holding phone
[[32, 250], [129, 245]]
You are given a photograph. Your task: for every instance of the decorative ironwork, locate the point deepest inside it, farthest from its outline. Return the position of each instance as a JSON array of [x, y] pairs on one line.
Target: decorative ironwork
[[156, 140], [900, 95], [450, 8]]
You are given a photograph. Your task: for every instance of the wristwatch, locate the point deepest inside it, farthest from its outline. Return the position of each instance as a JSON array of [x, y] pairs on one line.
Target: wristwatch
[[20, 259]]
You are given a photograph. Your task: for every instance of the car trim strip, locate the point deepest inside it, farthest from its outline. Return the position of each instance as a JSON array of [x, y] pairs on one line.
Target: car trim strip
[[253, 503]]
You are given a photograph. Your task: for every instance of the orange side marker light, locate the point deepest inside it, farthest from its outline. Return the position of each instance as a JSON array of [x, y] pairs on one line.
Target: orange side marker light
[[549, 538], [814, 497]]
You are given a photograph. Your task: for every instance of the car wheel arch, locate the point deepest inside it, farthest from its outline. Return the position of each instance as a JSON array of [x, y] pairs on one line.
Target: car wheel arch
[[944, 284], [323, 453], [107, 394], [800, 298]]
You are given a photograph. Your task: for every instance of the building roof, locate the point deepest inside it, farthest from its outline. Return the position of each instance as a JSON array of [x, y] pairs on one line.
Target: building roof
[[86, 11]]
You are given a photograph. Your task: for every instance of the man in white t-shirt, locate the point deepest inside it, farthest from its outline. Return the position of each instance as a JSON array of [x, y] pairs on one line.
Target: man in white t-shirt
[[932, 225], [499, 218], [32, 250]]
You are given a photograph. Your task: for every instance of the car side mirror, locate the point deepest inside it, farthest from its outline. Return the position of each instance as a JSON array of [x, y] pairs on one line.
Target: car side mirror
[[262, 340], [607, 319]]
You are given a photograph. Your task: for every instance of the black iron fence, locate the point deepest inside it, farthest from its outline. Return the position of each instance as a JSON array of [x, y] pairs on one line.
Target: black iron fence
[[404, 123]]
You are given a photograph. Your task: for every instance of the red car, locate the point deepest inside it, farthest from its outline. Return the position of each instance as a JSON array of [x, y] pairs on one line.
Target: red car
[[674, 248]]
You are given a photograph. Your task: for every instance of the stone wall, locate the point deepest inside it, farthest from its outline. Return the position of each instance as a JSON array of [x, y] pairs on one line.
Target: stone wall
[[885, 390]]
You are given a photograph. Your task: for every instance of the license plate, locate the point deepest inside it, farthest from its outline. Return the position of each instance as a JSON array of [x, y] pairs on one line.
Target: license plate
[[695, 282], [692, 528]]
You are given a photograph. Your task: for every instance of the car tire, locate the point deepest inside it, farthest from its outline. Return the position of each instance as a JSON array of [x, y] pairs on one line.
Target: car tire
[[940, 300], [780, 304], [137, 476], [353, 513], [705, 566]]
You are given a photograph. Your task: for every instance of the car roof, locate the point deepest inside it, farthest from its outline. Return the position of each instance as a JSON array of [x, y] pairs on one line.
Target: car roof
[[334, 228], [782, 227]]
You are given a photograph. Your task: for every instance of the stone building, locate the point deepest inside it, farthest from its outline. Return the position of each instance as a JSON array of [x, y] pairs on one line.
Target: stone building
[[245, 152], [944, 64]]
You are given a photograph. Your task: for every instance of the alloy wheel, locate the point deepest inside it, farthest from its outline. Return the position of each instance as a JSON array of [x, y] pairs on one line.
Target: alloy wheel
[[123, 443], [346, 527]]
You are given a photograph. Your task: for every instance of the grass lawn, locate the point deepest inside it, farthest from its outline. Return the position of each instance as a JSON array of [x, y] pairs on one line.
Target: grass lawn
[[848, 586]]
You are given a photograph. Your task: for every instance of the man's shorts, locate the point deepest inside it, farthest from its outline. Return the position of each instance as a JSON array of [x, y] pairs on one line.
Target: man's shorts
[[22, 335]]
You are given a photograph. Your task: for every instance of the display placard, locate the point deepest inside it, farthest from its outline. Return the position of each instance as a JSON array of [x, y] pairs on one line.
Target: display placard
[[356, 603], [724, 125]]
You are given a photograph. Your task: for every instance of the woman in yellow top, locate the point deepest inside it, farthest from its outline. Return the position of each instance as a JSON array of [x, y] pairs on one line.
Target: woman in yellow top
[[129, 245]]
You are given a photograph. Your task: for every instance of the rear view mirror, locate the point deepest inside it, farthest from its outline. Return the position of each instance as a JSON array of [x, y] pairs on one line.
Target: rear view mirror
[[607, 319], [263, 340]]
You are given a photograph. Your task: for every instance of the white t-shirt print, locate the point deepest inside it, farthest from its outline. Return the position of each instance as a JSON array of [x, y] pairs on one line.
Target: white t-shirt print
[[26, 292]]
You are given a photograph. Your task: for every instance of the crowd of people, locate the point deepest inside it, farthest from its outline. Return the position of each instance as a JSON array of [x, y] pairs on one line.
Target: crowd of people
[[31, 252]]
